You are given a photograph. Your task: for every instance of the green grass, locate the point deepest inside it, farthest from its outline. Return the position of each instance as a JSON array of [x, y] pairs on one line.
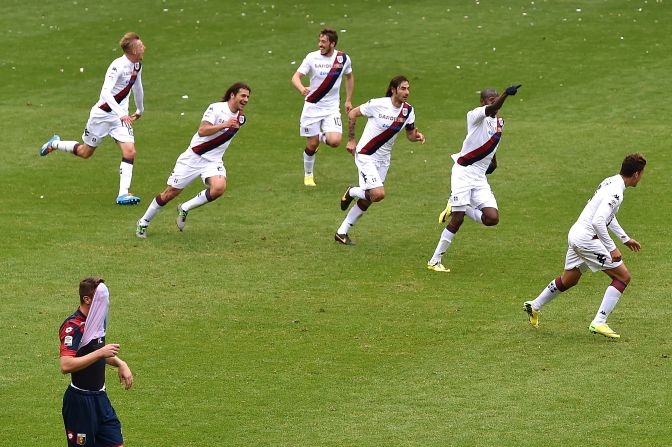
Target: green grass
[[253, 328]]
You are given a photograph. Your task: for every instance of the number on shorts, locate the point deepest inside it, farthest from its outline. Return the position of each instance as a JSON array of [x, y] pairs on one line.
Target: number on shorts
[[337, 121]]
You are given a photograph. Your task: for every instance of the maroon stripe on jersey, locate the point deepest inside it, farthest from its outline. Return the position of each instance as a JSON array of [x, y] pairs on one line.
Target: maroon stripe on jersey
[[379, 140], [486, 149], [125, 91], [228, 134], [329, 80]]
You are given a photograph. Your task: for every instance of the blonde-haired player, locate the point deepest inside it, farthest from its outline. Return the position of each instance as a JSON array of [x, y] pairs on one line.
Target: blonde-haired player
[[109, 116]]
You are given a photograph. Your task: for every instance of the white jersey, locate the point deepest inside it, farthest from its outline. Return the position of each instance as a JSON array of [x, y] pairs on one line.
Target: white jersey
[[212, 147], [481, 142], [384, 124], [122, 76], [600, 213], [325, 74]]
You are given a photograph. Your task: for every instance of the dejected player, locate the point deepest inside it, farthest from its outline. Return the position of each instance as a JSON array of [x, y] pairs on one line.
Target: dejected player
[[321, 115], [387, 116], [109, 116], [470, 192], [203, 158], [88, 415], [591, 247]]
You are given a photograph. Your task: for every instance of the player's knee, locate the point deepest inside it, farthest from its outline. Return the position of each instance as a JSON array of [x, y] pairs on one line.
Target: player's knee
[[377, 196], [84, 151], [625, 277], [334, 141], [490, 221], [217, 191]]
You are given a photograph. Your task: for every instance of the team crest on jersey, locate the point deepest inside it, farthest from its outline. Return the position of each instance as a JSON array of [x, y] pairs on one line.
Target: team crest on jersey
[[339, 58], [81, 438], [241, 119], [136, 66], [404, 111], [67, 341]]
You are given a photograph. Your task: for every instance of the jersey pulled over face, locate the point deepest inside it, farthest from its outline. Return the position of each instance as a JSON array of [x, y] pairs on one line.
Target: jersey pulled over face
[[383, 126], [325, 74], [91, 378]]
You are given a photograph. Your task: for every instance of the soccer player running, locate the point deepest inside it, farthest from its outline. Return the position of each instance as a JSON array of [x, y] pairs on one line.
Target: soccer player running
[[386, 117], [321, 115], [87, 412], [203, 158], [109, 116], [591, 247], [470, 192]]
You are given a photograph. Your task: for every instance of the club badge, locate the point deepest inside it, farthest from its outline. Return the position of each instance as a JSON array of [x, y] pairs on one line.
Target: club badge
[[241, 119], [81, 438], [404, 111], [339, 58]]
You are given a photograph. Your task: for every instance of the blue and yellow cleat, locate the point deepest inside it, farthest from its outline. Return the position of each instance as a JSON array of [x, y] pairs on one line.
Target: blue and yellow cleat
[[603, 329], [532, 315], [47, 148], [443, 217], [128, 199]]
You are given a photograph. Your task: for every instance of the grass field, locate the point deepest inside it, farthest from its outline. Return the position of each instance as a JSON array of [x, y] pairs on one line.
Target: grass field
[[253, 327]]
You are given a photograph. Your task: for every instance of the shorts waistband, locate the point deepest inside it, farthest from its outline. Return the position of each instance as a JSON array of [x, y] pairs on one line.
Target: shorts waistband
[[85, 392]]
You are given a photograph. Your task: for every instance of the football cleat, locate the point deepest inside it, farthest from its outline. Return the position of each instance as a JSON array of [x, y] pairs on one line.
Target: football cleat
[[346, 200], [445, 214], [141, 230], [437, 267], [603, 329], [47, 148], [532, 315], [343, 239], [181, 220], [128, 199], [308, 180]]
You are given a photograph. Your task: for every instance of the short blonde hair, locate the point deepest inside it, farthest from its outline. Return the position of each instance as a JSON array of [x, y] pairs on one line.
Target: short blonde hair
[[128, 41]]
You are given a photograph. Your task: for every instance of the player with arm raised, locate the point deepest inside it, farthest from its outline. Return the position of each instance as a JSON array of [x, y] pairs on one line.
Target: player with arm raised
[[203, 158], [109, 116], [321, 115], [88, 415], [470, 192], [591, 247], [387, 116]]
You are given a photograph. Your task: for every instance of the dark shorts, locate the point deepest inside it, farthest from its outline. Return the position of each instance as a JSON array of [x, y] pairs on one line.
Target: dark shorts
[[90, 419]]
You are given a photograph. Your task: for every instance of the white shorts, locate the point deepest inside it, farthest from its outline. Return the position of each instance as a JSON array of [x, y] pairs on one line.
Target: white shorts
[[469, 190], [312, 126], [99, 126], [372, 173], [189, 166], [591, 255]]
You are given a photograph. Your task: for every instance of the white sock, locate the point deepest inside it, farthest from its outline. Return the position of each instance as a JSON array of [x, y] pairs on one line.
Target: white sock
[[442, 247], [125, 177], [611, 296], [352, 217], [474, 214], [65, 146], [546, 295], [152, 210], [358, 193], [200, 199], [308, 164]]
